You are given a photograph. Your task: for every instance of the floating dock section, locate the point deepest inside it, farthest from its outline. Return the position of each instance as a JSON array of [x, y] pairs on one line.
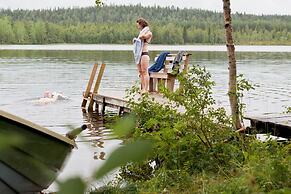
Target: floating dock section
[[278, 125]]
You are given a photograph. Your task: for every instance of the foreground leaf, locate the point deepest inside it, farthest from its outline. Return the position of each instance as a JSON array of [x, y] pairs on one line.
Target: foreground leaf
[[124, 126], [72, 186], [134, 152]]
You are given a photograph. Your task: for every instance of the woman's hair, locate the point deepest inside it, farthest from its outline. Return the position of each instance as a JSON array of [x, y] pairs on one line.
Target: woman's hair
[[142, 22]]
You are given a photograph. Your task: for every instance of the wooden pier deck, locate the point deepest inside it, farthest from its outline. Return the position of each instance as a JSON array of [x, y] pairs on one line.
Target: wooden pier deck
[[275, 124], [118, 101]]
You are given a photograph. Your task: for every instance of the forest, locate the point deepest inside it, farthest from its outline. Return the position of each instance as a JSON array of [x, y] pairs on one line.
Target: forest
[[116, 25]]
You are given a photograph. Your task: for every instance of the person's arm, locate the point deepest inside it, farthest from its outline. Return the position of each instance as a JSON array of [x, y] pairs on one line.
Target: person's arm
[[146, 36]]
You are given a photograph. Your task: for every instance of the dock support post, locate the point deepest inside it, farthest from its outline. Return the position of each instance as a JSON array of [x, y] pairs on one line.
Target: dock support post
[[96, 107], [120, 110], [103, 107]]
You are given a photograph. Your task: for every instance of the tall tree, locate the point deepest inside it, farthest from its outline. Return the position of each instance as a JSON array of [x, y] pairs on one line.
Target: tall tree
[[40, 32], [6, 32], [232, 88], [20, 32]]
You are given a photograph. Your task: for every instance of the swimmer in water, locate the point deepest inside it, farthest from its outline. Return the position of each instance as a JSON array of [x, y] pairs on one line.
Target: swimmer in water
[[47, 94], [51, 97]]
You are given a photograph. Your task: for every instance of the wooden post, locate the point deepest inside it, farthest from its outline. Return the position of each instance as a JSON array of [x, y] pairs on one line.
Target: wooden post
[[185, 68], [155, 84], [103, 106], [88, 89], [96, 87], [186, 64], [171, 82], [166, 66], [151, 84], [120, 110], [97, 107]]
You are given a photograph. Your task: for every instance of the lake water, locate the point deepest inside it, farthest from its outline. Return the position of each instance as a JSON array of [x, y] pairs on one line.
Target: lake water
[[25, 73]]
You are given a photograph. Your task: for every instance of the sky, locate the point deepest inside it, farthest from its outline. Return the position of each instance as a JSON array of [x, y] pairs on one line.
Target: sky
[[258, 7]]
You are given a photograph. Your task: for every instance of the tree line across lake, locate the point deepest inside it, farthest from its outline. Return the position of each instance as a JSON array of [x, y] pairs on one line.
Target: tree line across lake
[[116, 24]]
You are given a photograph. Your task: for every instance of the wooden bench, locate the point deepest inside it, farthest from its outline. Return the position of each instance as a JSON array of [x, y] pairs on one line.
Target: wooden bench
[[164, 77]]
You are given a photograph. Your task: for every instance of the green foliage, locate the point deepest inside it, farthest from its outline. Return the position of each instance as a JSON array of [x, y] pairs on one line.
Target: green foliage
[[116, 24], [132, 152], [243, 86], [195, 148], [267, 168], [124, 126], [108, 189], [288, 110], [6, 31], [72, 186], [190, 134], [99, 3]]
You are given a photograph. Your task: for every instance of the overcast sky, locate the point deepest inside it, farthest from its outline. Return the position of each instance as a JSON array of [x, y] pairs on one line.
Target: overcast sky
[[248, 6]]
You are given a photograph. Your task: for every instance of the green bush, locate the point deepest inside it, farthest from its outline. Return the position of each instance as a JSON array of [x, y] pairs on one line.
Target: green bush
[[190, 135], [195, 148]]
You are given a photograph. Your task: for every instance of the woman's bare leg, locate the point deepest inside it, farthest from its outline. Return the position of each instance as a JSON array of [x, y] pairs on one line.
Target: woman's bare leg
[[144, 64], [139, 74]]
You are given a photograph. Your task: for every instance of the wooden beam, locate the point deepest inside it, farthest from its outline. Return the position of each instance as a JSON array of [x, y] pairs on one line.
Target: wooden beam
[[96, 87], [89, 85], [159, 75], [186, 64], [151, 85], [171, 83]]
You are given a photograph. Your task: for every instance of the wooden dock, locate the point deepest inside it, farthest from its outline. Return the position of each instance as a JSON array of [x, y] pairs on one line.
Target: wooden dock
[[118, 101], [278, 125], [104, 100]]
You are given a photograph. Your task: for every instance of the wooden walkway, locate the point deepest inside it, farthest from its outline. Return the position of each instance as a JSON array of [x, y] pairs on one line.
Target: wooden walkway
[[117, 100], [278, 125]]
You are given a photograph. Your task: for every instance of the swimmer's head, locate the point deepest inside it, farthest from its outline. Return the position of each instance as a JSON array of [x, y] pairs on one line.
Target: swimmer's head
[[47, 94]]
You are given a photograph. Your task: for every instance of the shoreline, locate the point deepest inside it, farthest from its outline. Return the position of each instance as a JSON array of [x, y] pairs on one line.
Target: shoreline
[[128, 47]]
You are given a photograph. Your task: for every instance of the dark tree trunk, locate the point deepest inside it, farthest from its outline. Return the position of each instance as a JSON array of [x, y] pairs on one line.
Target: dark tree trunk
[[232, 89]]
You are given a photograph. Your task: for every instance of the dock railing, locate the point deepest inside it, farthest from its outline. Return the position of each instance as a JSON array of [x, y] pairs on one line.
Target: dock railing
[[88, 95]]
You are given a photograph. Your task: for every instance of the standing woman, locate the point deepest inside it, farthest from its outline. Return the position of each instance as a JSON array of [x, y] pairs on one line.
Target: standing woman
[[145, 37]]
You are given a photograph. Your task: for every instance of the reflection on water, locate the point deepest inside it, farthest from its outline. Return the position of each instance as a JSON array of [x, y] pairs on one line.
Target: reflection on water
[[25, 75], [93, 146], [96, 132]]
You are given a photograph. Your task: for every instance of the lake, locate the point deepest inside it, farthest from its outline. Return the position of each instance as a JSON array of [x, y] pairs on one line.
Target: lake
[[27, 71]]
